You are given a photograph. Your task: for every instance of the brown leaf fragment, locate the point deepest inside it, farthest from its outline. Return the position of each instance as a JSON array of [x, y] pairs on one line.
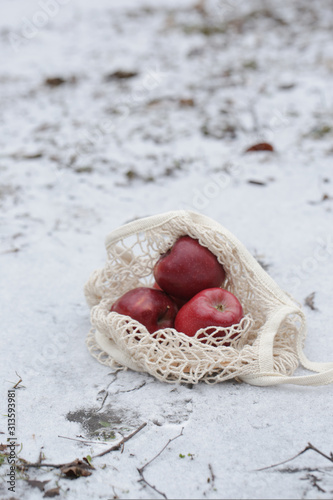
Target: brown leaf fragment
[[120, 75], [3, 447], [287, 86], [309, 301], [262, 146], [37, 484], [32, 156], [325, 197], [257, 183], [84, 170], [186, 103], [52, 492], [54, 81], [155, 102], [77, 469]]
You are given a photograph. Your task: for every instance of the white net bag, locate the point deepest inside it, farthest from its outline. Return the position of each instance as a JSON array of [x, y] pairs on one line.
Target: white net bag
[[265, 348]]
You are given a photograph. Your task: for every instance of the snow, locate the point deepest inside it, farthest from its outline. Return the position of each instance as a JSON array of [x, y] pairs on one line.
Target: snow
[[79, 159]]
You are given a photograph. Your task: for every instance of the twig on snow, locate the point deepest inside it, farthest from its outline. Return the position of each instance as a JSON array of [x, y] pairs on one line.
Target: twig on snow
[[314, 481], [26, 464], [121, 443], [308, 447], [16, 386], [141, 469], [212, 475]]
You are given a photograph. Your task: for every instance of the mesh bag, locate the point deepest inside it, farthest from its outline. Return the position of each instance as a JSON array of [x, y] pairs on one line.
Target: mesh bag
[[265, 348]]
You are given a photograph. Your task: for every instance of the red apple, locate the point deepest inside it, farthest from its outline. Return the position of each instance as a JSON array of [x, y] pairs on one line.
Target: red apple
[[153, 308], [187, 268], [213, 307]]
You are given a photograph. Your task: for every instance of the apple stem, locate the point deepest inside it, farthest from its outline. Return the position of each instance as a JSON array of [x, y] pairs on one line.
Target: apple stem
[[160, 318]]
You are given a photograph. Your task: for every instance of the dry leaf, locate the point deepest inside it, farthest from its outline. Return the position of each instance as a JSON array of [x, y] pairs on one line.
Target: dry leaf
[[3, 447], [120, 75], [76, 469], [54, 82], [286, 86], [257, 183], [309, 301], [37, 484], [52, 493], [186, 102], [262, 146]]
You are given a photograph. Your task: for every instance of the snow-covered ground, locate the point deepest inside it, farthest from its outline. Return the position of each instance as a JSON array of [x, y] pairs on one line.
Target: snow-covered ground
[[116, 110]]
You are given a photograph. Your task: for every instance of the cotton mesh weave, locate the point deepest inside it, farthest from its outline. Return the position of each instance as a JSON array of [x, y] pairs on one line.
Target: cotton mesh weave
[[264, 348]]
